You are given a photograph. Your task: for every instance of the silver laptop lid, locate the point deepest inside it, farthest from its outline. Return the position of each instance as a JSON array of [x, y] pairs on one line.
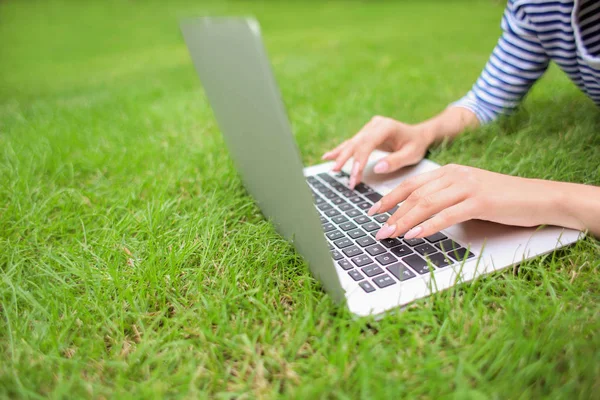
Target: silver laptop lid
[[232, 63]]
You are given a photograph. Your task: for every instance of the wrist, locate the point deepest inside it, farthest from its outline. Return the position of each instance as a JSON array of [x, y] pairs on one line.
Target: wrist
[[448, 124], [557, 205], [428, 133]]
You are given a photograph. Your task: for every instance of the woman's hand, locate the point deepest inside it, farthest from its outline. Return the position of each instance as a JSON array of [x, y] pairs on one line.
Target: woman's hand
[[451, 194], [407, 143]]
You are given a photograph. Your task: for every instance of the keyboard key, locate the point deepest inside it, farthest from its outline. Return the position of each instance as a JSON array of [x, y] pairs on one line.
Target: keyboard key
[[365, 241], [447, 245], [370, 227], [356, 199], [345, 264], [401, 251], [436, 237], [386, 259], [311, 179], [460, 254], [356, 233], [363, 188], [393, 210], [328, 227], [347, 193], [338, 201], [332, 213], [323, 220], [414, 242], [357, 276], [341, 243], [338, 186], [372, 270], [366, 286], [381, 218], [390, 242], [374, 197], [347, 226], [329, 195], [438, 259], [330, 246], [336, 255], [326, 177], [425, 249], [417, 263], [340, 219], [345, 207], [362, 220], [401, 272], [318, 200], [383, 281], [364, 205], [362, 260], [324, 206], [353, 213], [334, 235], [352, 251], [375, 250]]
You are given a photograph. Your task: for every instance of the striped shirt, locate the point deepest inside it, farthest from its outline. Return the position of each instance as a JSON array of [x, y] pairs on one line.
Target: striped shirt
[[534, 33]]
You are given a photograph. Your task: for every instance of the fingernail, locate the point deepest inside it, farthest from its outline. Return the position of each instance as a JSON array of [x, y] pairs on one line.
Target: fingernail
[[374, 208], [385, 232], [326, 155], [413, 232], [381, 167]]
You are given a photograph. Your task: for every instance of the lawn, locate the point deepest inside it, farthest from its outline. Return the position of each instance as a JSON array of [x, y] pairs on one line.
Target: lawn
[[133, 264]]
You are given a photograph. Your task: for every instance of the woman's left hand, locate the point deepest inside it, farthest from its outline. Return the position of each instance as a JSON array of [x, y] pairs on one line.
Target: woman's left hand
[[454, 193]]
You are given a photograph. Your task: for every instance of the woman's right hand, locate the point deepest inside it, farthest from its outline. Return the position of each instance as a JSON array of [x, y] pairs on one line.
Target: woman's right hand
[[407, 143]]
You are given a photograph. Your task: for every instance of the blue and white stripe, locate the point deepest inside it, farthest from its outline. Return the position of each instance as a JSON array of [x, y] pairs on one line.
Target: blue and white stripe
[[536, 32]]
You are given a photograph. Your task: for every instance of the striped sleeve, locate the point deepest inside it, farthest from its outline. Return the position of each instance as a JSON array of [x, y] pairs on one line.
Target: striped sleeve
[[517, 62]]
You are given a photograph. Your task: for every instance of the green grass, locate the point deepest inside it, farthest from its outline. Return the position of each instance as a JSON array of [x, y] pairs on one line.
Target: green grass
[[133, 264]]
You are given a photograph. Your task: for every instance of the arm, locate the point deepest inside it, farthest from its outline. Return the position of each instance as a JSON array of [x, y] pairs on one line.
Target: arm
[[517, 61], [576, 206], [452, 194]]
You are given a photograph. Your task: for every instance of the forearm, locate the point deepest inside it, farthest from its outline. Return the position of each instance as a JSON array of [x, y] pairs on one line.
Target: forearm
[[575, 206], [515, 64], [448, 124]]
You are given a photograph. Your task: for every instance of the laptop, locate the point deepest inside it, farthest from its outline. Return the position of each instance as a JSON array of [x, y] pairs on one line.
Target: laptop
[[314, 208]]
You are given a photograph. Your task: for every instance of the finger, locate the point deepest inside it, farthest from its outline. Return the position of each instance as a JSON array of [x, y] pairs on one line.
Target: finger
[[344, 155], [361, 155], [456, 214], [427, 207], [407, 155], [415, 198], [332, 154], [402, 191]]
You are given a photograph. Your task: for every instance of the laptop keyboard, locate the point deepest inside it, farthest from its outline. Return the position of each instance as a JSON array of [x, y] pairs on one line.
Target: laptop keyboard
[[350, 233]]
